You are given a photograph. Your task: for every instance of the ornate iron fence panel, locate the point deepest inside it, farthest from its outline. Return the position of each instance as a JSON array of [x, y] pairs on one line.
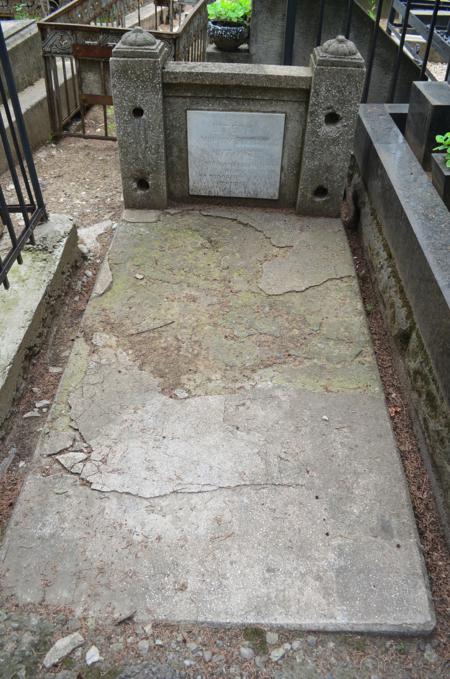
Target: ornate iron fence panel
[[77, 44]]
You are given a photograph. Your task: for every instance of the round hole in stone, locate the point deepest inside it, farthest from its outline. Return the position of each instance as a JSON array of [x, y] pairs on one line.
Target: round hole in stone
[[138, 112], [332, 118], [142, 184], [320, 193]]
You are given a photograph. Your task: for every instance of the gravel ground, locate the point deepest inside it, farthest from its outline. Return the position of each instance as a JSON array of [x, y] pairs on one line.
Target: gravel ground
[[81, 178]]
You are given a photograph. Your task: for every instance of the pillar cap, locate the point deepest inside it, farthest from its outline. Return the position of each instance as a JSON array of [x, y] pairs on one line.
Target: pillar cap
[[338, 51], [340, 47], [141, 44]]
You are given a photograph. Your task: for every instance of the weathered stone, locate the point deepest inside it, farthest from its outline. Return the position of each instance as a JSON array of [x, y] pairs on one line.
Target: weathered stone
[[246, 653], [338, 77], [136, 81], [143, 647], [93, 656], [209, 87], [62, 648], [277, 654]]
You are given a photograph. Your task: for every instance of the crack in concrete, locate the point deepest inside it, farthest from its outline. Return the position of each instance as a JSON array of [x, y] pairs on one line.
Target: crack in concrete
[[205, 213], [208, 488], [309, 287]]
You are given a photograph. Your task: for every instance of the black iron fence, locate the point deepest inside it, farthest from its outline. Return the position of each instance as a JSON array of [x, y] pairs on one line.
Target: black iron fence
[[418, 29], [21, 215]]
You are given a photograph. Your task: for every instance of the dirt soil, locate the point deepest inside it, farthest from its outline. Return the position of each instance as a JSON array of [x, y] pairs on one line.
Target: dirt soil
[[81, 178]]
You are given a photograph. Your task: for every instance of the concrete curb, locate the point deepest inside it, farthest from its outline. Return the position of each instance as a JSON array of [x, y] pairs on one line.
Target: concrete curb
[[27, 308]]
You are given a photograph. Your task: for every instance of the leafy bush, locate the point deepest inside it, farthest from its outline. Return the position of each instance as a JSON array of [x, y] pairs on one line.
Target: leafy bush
[[234, 11], [444, 145]]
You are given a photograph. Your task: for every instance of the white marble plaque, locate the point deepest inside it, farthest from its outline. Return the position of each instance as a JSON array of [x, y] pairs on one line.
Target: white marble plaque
[[236, 155]]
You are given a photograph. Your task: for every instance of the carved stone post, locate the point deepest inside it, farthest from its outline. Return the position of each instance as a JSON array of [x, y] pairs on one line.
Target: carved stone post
[[136, 81], [338, 78]]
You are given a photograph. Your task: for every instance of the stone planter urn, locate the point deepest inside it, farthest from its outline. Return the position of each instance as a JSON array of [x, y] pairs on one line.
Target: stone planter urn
[[228, 36], [441, 176]]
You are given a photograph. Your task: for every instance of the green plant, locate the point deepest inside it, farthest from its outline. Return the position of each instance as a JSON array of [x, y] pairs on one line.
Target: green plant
[[444, 145], [234, 11], [21, 11]]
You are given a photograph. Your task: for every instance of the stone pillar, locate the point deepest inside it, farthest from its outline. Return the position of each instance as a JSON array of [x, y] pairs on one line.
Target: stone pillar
[[136, 80], [267, 31], [428, 115], [338, 78]]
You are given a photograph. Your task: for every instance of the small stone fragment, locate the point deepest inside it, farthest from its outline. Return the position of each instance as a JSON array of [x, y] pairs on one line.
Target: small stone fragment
[[311, 641], [31, 413], [260, 661], [246, 653], [430, 654], [62, 648], [42, 404], [207, 656], [69, 460], [148, 629], [158, 642], [277, 654], [271, 638], [181, 393], [192, 646], [325, 418], [123, 617], [189, 663], [139, 276], [296, 644], [287, 646], [55, 370], [93, 655], [143, 647]]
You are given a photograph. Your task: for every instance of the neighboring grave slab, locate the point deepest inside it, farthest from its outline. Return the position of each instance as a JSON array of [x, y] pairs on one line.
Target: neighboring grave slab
[[235, 154]]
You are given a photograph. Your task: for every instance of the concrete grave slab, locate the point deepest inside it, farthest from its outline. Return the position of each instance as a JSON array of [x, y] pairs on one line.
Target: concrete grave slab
[[219, 449]]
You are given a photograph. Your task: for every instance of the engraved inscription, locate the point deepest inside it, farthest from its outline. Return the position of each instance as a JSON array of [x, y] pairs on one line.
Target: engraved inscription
[[233, 154]]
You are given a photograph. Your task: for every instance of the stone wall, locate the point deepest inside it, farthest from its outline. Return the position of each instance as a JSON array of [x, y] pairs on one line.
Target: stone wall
[[230, 87], [427, 397], [265, 130], [406, 231]]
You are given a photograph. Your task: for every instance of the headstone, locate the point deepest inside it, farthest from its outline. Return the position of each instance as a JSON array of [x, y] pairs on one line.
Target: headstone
[[235, 154]]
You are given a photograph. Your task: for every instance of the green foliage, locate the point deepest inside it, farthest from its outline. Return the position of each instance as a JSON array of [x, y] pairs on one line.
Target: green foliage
[[21, 11], [234, 11], [444, 145]]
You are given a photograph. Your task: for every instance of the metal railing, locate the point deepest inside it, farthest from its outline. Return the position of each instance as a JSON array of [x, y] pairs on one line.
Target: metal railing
[[77, 44], [425, 23], [20, 217]]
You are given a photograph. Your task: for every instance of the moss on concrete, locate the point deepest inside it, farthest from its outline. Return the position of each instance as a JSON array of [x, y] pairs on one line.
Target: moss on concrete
[[205, 324]]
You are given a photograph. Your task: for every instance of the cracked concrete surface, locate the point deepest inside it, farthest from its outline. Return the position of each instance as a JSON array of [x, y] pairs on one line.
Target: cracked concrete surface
[[219, 450]]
